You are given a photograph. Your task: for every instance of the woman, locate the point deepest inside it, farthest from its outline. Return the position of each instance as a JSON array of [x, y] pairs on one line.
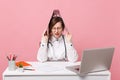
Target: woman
[[54, 45]]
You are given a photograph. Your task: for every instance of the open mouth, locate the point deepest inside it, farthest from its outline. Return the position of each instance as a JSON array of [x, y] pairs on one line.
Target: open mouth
[[57, 34]]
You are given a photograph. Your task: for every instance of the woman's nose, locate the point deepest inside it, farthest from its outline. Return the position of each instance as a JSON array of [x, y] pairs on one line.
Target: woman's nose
[[56, 30]]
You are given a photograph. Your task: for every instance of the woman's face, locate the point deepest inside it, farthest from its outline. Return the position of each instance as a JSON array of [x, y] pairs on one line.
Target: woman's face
[[57, 30]]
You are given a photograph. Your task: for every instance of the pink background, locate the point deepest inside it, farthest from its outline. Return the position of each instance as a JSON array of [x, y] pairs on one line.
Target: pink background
[[93, 24]]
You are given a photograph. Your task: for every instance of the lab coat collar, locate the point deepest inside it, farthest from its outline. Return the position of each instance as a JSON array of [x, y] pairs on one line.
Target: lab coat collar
[[53, 39]]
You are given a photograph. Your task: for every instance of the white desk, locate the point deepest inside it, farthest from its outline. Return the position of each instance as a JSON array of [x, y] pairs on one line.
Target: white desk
[[53, 71]]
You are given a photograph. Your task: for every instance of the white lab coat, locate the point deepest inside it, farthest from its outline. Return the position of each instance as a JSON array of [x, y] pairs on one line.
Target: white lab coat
[[56, 50]]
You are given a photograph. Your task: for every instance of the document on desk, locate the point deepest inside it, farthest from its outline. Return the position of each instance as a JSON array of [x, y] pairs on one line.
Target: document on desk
[[48, 67]]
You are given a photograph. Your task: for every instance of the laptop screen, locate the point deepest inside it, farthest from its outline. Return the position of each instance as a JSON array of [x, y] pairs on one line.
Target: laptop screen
[[94, 60]]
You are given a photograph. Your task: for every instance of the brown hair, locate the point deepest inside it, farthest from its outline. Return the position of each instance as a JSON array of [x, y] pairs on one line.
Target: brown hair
[[55, 19]]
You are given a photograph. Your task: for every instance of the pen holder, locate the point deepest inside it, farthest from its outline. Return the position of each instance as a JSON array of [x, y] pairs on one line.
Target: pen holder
[[11, 65]]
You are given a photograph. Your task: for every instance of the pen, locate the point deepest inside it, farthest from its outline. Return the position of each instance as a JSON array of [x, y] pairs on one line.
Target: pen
[[8, 58], [30, 69], [11, 57], [14, 57]]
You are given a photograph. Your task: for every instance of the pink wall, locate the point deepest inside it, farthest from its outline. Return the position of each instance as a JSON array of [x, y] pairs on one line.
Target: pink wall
[[93, 23]]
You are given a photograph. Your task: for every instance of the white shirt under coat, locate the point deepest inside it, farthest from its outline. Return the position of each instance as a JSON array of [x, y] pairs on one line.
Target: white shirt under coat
[[56, 50]]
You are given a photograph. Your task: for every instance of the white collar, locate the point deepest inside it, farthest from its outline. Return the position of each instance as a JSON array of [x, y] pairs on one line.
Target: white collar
[[53, 39]]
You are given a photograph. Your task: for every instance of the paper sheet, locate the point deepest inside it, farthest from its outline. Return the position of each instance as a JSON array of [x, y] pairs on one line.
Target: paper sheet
[[47, 67]]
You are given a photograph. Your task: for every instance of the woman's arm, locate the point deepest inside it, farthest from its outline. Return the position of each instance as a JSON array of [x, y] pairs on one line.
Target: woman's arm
[[71, 51], [42, 52]]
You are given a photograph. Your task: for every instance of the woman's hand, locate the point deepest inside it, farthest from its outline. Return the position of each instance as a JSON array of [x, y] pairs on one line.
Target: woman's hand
[[45, 37], [68, 37]]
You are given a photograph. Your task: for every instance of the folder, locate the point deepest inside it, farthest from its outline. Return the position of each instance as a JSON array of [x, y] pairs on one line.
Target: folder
[[24, 63]]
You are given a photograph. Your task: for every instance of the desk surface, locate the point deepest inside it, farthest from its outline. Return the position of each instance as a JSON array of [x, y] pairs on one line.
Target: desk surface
[[51, 68]]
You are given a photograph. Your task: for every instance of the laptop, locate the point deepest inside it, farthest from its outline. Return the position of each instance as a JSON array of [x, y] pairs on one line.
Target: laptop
[[94, 60]]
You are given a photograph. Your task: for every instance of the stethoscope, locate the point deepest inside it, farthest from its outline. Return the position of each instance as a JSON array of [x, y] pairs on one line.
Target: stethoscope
[[64, 47]]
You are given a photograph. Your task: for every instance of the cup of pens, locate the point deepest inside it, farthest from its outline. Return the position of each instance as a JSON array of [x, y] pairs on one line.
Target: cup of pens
[[11, 62]]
